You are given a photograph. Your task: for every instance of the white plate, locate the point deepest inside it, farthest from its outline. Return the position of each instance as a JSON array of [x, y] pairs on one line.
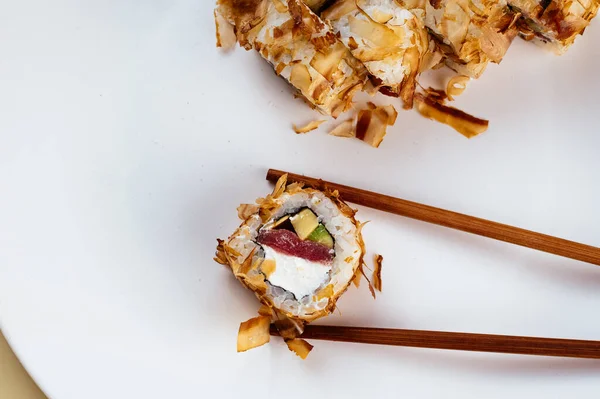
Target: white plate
[[128, 140]]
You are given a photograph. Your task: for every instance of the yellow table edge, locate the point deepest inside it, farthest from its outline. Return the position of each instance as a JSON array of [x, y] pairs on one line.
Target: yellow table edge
[[15, 383]]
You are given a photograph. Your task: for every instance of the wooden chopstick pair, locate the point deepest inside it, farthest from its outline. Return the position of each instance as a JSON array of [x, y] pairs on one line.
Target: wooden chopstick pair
[[470, 224]]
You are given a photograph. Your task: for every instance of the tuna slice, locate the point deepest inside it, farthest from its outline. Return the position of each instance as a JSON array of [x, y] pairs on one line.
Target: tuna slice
[[289, 243]]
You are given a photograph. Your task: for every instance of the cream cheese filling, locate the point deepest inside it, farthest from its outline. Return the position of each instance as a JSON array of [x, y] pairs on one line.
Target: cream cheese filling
[[299, 276]]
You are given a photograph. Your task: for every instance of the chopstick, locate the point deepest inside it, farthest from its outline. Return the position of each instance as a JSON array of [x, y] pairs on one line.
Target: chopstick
[[453, 220], [455, 341], [470, 224]]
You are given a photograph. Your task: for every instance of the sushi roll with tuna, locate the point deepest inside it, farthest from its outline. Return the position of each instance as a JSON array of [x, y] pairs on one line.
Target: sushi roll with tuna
[[298, 249]]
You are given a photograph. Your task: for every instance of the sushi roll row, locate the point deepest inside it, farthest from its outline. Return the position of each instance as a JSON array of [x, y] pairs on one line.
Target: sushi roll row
[[329, 50]]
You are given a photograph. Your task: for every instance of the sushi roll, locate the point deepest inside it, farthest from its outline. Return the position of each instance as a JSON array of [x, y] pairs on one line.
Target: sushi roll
[[298, 250], [554, 23], [390, 41], [300, 46], [471, 33]]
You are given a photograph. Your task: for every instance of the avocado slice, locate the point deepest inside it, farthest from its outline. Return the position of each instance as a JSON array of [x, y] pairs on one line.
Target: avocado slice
[[304, 222], [322, 236]]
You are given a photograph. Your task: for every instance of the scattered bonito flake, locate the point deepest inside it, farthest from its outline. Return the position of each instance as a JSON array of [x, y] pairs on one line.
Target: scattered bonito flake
[[309, 127], [299, 346], [436, 95], [344, 129], [456, 86], [377, 272], [225, 32], [253, 333], [370, 285], [371, 105], [372, 123], [369, 124], [389, 113], [467, 125]]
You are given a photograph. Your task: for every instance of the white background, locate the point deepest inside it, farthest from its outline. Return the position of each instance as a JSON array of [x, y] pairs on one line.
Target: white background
[[128, 140]]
